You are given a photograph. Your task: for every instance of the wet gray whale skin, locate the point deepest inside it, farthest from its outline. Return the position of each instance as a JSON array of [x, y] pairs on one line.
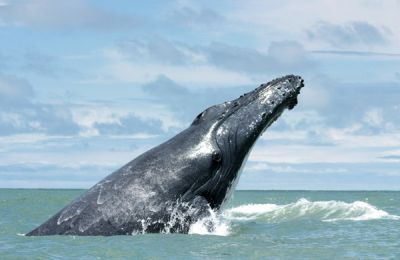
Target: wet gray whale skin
[[175, 184]]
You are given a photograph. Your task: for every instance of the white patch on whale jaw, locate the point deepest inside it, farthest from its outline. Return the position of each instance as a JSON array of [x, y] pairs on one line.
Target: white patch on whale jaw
[[205, 146]]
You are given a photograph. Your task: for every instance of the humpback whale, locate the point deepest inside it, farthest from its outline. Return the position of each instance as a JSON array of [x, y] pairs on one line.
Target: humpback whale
[[177, 183]]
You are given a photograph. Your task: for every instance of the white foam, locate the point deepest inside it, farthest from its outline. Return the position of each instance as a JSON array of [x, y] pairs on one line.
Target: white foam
[[211, 225], [303, 208]]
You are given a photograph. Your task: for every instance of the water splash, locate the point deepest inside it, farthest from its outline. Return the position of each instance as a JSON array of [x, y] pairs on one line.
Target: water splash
[[214, 224]]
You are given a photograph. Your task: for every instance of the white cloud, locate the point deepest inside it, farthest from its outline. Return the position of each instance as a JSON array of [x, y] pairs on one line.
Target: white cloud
[[216, 64], [316, 95], [284, 168], [90, 116], [310, 154], [10, 140], [374, 117], [87, 117], [134, 136], [14, 89], [351, 34], [290, 19], [61, 151], [44, 184], [122, 69], [344, 145], [64, 15]]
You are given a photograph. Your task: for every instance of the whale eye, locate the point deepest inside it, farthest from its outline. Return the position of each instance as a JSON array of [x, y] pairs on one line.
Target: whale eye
[[216, 157]]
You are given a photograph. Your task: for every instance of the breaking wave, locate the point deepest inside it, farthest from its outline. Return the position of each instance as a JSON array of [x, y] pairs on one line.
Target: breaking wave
[[305, 209], [327, 211]]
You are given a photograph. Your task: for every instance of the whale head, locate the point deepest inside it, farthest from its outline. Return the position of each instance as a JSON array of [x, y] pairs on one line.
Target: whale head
[[228, 131]]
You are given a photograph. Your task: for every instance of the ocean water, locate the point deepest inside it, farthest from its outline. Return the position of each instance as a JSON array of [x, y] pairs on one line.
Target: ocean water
[[255, 225]]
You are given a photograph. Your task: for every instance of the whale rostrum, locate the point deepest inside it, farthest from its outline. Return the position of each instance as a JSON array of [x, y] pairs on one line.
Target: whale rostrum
[[178, 182]]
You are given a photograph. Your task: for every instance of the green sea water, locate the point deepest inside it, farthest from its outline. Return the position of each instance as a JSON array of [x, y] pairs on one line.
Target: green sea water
[[255, 225]]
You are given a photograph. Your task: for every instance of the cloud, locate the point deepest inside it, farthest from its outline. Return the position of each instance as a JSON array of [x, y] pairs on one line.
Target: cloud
[[130, 124], [184, 102], [350, 34], [43, 184], [165, 87], [40, 63], [370, 27], [64, 15], [369, 176], [120, 68], [374, 117], [95, 119], [177, 98], [321, 142], [356, 53], [158, 49], [350, 102], [331, 103], [391, 157], [281, 57], [359, 123], [41, 174], [338, 153], [38, 118], [14, 91], [195, 17], [295, 168], [19, 114], [45, 65]]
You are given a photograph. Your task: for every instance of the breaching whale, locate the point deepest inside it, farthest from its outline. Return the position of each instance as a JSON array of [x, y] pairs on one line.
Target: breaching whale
[[177, 183]]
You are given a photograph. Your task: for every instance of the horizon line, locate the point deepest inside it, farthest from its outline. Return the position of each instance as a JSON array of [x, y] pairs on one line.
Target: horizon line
[[346, 190]]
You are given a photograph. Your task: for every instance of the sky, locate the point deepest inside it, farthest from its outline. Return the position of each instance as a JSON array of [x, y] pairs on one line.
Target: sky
[[86, 86]]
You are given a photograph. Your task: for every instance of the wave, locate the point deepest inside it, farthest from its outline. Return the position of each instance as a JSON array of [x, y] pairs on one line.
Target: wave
[[326, 211], [305, 209]]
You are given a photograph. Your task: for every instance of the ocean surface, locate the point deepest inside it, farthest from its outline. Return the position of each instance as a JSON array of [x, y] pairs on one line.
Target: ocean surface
[[255, 224]]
